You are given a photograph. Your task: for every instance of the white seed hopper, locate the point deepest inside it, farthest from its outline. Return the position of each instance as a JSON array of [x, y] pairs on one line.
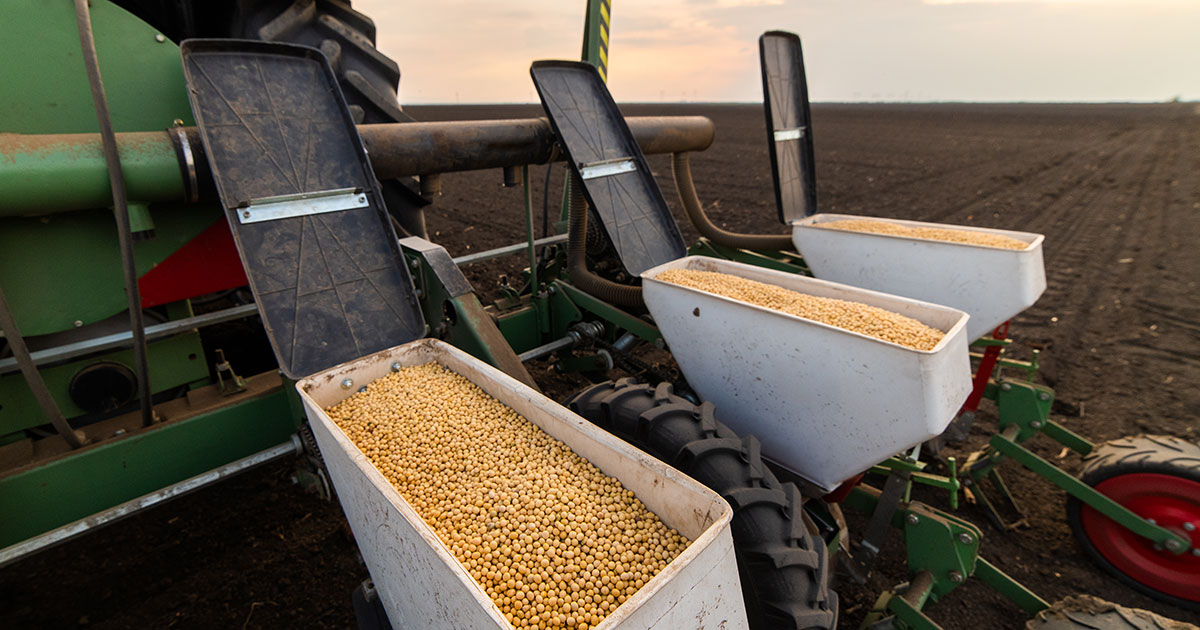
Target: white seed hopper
[[826, 403], [423, 586], [992, 285]]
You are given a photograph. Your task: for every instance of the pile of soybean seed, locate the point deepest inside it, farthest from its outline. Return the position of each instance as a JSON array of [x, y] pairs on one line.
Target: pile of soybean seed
[[853, 316], [928, 233], [553, 541]]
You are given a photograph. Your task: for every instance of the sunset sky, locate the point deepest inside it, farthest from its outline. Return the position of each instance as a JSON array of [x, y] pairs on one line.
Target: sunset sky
[[471, 51]]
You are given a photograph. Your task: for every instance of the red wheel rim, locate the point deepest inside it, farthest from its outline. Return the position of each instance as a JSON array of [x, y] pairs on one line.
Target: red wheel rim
[[1171, 502]]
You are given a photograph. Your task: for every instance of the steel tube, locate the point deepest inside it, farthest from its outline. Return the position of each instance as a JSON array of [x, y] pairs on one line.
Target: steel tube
[[34, 169], [114, 341]]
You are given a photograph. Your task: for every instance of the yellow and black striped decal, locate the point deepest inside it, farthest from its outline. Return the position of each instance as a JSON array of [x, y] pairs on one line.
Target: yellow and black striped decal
[[602, 66]]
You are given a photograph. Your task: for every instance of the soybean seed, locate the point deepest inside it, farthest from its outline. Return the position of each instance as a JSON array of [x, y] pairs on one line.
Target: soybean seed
[[545, 533], [926, 233], [853, 316]]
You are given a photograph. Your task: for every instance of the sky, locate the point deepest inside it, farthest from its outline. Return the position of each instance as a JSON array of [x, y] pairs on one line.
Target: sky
[[471, 51]]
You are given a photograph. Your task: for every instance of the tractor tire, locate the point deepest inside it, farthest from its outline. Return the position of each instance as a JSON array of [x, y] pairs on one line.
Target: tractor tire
[[784, 567], [1158, 478], [368, 78], [1084, 612]]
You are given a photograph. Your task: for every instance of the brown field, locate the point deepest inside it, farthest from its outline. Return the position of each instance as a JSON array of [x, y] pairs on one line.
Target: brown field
[[1115, 189]]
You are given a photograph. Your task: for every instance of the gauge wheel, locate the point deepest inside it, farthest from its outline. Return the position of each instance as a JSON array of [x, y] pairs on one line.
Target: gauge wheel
[[782, 563], [1158, 478]]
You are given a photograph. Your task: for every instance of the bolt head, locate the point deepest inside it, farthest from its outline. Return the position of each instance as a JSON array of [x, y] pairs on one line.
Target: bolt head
[[362, 389], [1005, 386], [395, 366], [912, 519], [1043, 396], [1191, 527], [78, 323], [347, 383], [956, 577], [1196, 551], [966, 538], [1174, 545], [160, 38], [1152, 521], [414, 263], [1037, 424]]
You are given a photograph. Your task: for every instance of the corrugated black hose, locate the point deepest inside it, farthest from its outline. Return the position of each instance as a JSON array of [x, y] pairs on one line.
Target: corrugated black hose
[[83, 20], [682, 168], [581, 276]]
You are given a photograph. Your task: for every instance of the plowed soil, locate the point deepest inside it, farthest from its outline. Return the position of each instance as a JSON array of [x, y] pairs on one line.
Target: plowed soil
[[1115, 189]]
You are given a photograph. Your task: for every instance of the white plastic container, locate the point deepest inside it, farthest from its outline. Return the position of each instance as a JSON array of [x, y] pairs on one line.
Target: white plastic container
[[992, 285], [826, 403], [423, 586]]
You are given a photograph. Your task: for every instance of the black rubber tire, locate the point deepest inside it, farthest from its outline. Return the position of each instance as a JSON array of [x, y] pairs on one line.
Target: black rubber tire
[[368, 78], [1084, 612], [1130, 455], [784, 568]]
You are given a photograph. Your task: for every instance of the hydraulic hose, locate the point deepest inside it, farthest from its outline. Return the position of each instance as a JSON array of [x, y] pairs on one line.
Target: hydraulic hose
[[577, 271], [33, 378], [116, 177], [682, 168]]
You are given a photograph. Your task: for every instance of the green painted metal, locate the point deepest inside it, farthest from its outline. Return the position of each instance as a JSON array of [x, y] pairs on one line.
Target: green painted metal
[[62, 269], [520, 327], [779, 261], [531, 249], [909, 616], [65, 268], [1067, 437], [174, 361], [1022, 404], [607, 312], [1011, 589], [1006, 445], [942, 544], [45, 85], [118, 470], [35, 167]]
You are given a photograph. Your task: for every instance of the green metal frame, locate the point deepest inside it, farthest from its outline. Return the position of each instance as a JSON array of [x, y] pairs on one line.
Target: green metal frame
[[82, 483], [943, 551]]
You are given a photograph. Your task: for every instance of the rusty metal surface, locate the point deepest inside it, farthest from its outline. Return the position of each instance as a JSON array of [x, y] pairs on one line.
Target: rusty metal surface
[[33, 167]]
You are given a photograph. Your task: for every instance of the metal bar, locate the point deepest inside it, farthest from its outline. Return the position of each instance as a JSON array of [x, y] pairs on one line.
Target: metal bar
[[1011, 589], [67, 532], [301, 205], [543, 350], [507, 249], [783, 135], [1067, 437], [120, 207], [530, 241], [907, 607], [124, 339], [607, 168], [608, 312], [1089, 495], [33, 167]]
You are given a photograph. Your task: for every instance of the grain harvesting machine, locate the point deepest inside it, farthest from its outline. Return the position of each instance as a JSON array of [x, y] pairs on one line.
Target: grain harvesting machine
[[133, 369]]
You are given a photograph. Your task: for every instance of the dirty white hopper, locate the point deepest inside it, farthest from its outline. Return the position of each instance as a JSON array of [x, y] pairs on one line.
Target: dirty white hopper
[[423, 586], [826, 403], [992, 285]]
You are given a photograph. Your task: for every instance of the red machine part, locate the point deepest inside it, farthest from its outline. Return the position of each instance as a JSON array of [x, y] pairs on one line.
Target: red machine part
[[986, 365], [1171, 502], [206, 264]]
